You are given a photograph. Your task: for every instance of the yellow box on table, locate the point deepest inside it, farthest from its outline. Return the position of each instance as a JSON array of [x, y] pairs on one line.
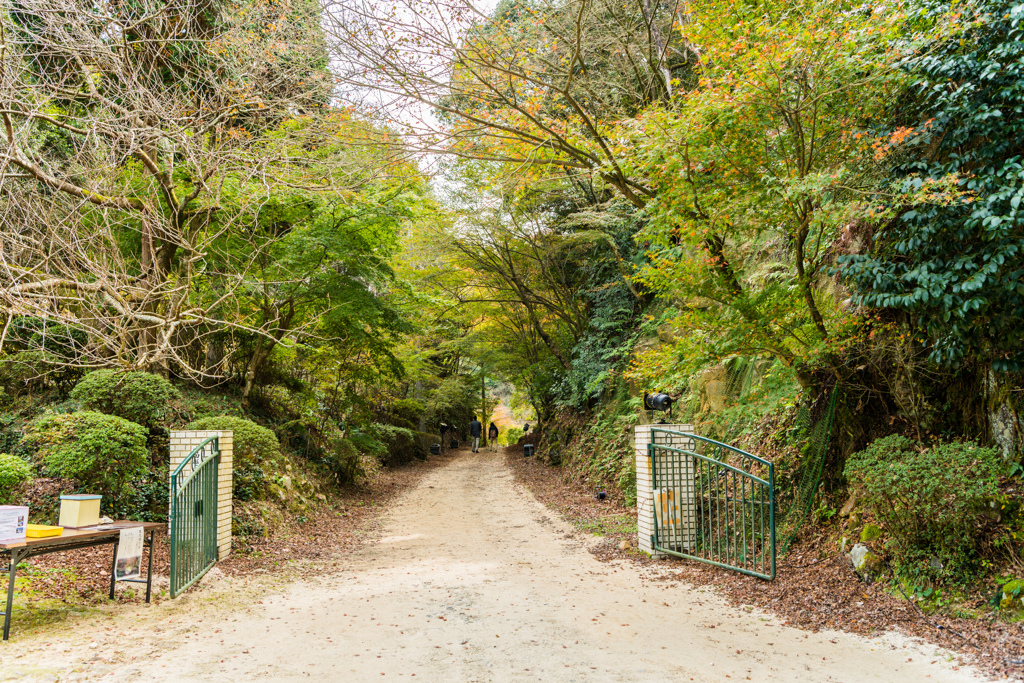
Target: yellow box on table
[[79, 510]]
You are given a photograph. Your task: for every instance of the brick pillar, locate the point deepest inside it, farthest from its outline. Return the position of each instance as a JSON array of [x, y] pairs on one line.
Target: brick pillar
[[645, 483], [183, 443]]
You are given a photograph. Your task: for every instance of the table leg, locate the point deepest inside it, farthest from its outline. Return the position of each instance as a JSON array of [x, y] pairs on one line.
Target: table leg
[[15, 559], [149, 572], [113, 569]]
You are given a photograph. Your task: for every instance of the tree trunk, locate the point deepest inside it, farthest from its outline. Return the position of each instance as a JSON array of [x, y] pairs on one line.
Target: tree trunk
[[483, 407], [657, 50], [259, 355], [805, 279], [214, 355]]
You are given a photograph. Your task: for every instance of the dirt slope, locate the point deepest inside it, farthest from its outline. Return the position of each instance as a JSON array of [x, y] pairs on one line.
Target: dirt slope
[[472, 581]]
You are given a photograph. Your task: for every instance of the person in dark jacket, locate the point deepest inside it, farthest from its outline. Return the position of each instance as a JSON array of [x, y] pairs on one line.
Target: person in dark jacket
[[492, 437], [475, 429]]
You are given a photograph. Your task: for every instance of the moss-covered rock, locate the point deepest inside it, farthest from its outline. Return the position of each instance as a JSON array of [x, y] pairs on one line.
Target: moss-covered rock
[[870, 533], [869, 566], [1013, 595], [850, 506], [277, 494]]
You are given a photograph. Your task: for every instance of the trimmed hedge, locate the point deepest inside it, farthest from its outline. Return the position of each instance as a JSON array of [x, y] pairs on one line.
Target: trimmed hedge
[[251, 441], [103, 452], [140, 397], [13, 471], [254, 446]]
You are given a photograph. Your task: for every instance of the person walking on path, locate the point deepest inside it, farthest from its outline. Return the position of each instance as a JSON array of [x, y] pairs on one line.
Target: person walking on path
[[475, 428], [492, 437]]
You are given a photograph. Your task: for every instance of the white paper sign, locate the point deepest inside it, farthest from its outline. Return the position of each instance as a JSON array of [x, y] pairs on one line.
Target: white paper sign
[[129, 554], [13, 522]]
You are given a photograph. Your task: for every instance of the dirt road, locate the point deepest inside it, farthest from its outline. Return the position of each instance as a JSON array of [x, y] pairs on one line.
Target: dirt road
[[472, 581]]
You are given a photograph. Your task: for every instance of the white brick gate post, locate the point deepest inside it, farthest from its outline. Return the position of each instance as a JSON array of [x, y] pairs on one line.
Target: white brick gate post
[[183, 443], [645, 481]]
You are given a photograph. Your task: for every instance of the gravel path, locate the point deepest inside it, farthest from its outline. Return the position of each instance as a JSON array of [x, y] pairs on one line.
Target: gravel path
[[473, 580]]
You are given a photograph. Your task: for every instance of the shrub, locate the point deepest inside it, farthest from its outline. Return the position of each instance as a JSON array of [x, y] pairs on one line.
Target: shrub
[[13, 471], [402, 445], [63, 341], [249, 481], [103, 452], [147, 500], [10, 435], [512, 435], [929, 500], [344, 461], [140, 397], [406, 413], [303, 437], [326, 449], [253, 447], [251, 441], [368, 443], [23, 369]]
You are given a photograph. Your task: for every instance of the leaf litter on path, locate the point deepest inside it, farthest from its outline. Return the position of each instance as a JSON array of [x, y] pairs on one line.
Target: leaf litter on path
[[815, 586]]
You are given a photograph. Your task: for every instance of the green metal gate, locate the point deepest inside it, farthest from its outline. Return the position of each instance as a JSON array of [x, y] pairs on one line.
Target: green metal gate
[[712, 503], [193, 519]]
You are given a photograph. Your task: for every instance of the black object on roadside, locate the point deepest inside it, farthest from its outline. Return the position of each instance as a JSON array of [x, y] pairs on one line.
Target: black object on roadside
[[527, 450], [657, 401], [435, 449], [600, 495], [455, 443]]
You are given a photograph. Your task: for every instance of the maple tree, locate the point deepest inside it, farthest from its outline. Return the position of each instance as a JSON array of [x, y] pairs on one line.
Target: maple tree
[[759, 168]]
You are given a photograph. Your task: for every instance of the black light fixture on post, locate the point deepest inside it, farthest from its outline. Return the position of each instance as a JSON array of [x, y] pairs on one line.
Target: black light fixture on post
[[658, 402]]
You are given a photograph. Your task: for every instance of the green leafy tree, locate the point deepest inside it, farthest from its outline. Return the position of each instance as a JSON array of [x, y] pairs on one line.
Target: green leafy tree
[[328, 282], [956, 268], [141, 135], [536, 88]]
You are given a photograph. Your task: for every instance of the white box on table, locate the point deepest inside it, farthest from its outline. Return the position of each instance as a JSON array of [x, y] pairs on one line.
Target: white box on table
[[13, 523]]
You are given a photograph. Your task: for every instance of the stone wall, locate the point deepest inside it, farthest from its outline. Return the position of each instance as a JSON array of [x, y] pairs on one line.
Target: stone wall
[[183, 443]]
